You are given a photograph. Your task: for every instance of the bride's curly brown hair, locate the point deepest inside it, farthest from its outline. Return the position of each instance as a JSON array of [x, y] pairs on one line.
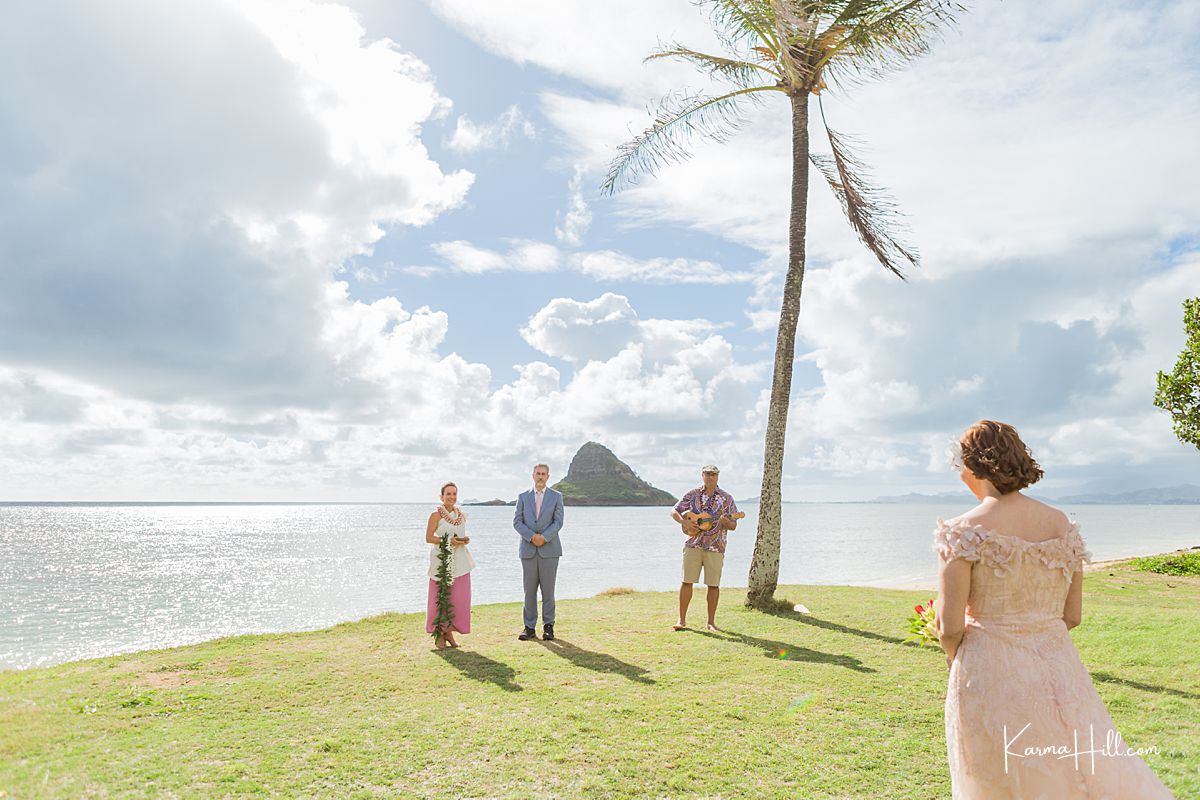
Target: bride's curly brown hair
[[994, 451]]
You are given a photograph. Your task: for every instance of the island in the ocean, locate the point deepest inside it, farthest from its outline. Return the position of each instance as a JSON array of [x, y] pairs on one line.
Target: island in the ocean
[[597, 477]]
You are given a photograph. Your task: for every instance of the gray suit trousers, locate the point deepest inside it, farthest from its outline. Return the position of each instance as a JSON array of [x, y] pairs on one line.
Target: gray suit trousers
[[539, 572]]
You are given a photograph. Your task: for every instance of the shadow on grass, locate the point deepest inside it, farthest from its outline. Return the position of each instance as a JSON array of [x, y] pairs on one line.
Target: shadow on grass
[[782, 651], [1107, 677], [817, 622], [481, 668], [597, 662]]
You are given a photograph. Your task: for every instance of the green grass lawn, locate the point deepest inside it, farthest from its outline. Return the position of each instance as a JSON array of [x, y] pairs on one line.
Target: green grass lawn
[[828, 705]]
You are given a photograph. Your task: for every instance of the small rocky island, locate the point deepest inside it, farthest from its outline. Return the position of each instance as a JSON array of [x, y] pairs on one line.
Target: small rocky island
[[597, 477]]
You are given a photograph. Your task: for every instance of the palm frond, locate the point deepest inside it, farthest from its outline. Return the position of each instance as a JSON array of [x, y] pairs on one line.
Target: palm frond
[[870, 211], [871, 37], [740, 22], [681, 117], [741, 73]]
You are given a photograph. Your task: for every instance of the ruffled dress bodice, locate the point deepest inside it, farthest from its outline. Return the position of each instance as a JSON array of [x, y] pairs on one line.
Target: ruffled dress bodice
[[1016, 582]]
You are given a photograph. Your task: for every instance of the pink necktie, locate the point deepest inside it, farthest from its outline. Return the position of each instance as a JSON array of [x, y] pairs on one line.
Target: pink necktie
[[537, 504]]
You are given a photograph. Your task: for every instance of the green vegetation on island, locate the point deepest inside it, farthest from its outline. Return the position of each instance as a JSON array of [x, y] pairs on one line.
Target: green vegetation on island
[[597, 477], [780, 705]]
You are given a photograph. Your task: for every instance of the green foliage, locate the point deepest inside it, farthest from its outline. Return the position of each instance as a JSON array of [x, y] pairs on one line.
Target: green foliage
[[1171, 564], [784, 705], [1179, 391], [445, 614]]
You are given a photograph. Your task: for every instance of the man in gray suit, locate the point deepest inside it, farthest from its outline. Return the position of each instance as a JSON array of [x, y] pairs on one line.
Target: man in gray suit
[[538, 519]]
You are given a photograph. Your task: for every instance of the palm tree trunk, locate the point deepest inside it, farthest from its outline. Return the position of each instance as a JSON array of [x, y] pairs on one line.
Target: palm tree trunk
[[764, 567]]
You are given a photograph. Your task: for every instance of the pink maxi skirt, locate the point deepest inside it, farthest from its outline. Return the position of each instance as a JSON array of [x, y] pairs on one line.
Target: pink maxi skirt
[[460, 604]]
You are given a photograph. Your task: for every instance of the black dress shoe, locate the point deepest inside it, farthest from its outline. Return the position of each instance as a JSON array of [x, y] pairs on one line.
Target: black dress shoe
[[548, 633], [527, 634]]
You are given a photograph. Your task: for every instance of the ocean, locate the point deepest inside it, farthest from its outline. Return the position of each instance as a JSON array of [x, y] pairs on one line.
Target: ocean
[[86, 580]]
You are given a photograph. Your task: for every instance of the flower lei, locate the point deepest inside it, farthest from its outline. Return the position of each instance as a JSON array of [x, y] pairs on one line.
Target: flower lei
[[445, 613]]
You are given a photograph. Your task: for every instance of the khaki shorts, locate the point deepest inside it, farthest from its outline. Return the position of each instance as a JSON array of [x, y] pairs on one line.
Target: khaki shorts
[[694, 558]]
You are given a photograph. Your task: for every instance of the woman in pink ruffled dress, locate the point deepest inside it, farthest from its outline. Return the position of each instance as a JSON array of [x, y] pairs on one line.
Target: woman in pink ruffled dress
[[1023, 719]]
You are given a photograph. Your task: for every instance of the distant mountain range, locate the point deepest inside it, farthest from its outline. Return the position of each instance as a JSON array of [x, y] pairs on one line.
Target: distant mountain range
[[917, 498], [1185, 494]]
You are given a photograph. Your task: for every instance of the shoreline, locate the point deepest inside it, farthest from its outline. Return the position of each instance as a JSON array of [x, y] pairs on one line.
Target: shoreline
[[915, 585], [930, 584]]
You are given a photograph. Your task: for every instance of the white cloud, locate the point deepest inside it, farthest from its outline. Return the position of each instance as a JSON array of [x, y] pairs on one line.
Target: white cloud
[[523, 255], [369, 97], [469, 137], [578, 217], [608, 265], [531, 256], [583, 331], [665, 380], [466, 257], [602, 44], [208, 207]]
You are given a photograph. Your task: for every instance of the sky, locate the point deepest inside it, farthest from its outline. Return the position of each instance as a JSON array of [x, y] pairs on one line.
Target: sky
[[296, 250]]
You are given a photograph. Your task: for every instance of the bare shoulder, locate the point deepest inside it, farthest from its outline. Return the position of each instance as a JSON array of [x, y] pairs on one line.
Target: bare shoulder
[[971, 516], [1054, 517], [1021, 516]]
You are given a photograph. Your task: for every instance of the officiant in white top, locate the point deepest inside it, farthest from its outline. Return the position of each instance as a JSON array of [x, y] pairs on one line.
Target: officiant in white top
[[447, 532]]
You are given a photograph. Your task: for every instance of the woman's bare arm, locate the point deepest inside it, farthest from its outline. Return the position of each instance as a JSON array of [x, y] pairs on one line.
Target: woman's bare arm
[[1073, 608], [430, 536], [954, 584]]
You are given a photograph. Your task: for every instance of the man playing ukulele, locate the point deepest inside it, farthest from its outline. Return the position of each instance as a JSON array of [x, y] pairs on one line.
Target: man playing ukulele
[[706, 514]]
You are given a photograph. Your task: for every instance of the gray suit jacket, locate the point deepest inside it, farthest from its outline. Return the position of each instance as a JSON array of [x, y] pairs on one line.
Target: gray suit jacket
[[548, 523]]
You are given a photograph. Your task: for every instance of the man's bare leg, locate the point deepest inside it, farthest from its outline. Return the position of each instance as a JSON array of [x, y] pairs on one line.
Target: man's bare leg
[[685, 597], [714, 595]]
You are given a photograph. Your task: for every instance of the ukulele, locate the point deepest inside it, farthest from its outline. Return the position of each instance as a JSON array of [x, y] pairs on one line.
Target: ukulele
[[706, 521]]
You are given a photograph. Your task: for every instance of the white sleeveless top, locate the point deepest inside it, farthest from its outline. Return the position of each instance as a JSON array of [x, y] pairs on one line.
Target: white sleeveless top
[[461, 561]]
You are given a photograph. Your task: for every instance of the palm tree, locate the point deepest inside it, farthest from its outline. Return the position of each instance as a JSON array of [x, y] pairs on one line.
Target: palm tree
[[795, 48]]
